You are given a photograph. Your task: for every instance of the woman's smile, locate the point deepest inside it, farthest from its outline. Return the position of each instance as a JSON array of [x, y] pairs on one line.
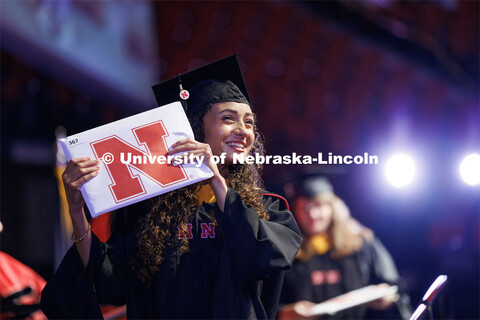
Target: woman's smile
[[237, 146]]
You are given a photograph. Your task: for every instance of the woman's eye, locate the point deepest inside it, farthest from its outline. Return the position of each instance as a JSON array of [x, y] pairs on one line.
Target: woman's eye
[[249, 121], [227, 118]]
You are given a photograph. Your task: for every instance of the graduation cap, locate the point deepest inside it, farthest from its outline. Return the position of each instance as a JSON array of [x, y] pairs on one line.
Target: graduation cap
[[311, 186], [219, 81], [308, 183]]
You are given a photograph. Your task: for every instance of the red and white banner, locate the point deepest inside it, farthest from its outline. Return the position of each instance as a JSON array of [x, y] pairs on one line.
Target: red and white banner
[[133, 158]]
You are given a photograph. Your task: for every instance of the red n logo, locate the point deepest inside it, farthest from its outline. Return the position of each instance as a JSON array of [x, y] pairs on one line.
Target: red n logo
[[181, 234], [126, 184], [208, 230]]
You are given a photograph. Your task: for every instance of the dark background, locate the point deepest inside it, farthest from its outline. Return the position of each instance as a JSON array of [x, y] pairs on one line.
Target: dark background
[[345, 77]]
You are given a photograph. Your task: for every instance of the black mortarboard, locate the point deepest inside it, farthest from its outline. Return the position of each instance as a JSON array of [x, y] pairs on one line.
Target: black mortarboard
[[315, 185], [219, 81]]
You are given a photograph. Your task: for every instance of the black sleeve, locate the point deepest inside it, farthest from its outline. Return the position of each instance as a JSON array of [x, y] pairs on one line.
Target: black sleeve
[[272, 288], [75, 291], [286, 296], [258, 247], [385, 271]]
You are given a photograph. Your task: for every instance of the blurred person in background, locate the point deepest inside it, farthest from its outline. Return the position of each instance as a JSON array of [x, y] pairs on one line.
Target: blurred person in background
[[20, 289], [337, 255]]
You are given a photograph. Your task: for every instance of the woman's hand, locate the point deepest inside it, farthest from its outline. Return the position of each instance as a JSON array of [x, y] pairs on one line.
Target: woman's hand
[[384, 302], [77, 172], [297, 310], [199, 149]]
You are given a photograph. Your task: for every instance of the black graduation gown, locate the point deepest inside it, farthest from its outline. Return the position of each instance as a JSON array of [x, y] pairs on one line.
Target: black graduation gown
[[237, 273], [322, 278]]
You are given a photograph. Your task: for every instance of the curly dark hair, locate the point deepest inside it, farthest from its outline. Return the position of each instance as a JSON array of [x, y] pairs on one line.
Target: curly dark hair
[[158, 229]]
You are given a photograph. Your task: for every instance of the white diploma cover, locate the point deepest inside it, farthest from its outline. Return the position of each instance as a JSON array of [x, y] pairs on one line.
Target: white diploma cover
[[141, 141], [351, 299]]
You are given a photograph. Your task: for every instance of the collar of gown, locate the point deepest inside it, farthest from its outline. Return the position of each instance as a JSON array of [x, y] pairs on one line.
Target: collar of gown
[[205, 194], [320, 243]]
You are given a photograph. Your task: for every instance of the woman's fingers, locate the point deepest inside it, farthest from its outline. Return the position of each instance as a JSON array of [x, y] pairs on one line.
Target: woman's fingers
[[76, 174], [191, 148], [303, 308], [81, 176], [182, 141], [194, 151], [79, 162], [203, 150], [185, 145], [77, 165], [79, 172]]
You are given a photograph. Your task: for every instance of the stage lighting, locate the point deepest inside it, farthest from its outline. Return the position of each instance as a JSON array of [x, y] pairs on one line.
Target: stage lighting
[[400, 170], [470, 169]]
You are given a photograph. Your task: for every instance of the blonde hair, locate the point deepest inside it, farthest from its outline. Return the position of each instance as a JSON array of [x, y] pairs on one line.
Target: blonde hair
[[346, 235]]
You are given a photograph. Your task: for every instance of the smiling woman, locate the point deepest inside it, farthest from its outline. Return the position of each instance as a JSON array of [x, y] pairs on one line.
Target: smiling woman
[[216, 250], [229, 128]]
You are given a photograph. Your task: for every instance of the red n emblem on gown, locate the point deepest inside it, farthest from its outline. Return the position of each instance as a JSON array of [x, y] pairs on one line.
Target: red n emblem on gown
[[181, 234], [208, 230]]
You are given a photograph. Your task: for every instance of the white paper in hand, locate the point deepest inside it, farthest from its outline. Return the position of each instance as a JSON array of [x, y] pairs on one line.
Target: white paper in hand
[[133, 158], [351, 299]]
